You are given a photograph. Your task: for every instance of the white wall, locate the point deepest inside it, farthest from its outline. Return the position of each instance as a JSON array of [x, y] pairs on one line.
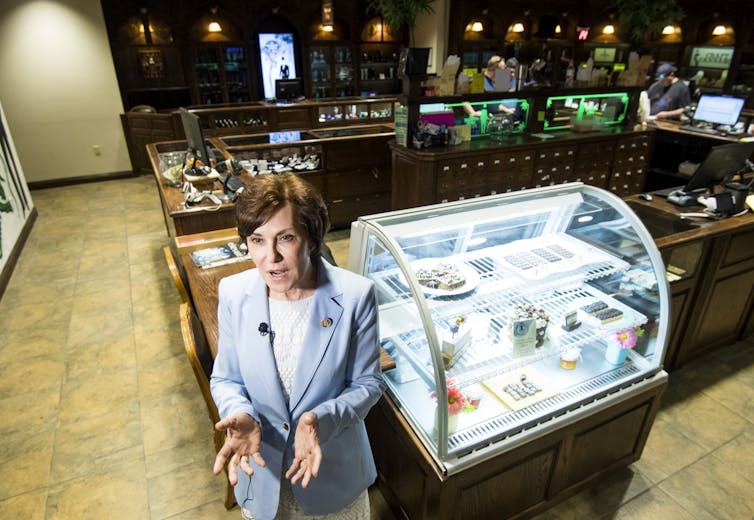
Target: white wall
[[59, 89]]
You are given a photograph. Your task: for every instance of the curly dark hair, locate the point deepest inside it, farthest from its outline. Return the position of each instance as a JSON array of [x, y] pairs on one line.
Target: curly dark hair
[[266, 194]]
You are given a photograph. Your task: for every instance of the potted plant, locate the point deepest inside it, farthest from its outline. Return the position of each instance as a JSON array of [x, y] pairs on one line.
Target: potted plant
[[398, 12], [644, 19]]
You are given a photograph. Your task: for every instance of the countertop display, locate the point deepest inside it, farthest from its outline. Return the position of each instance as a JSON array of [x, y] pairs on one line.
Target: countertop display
[[349, 165], [510, 316], [509, 286]]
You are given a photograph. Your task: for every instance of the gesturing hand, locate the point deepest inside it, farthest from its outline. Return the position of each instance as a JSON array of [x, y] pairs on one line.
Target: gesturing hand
[[243, 437], [307, 453]]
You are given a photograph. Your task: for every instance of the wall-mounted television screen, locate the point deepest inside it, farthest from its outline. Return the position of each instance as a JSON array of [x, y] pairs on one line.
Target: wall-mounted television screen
[[278, 59]]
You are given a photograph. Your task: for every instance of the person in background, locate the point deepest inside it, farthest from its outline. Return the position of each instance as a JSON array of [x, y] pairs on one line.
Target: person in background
[[668, 95], [511, 64], [297, 366], [493, 64]]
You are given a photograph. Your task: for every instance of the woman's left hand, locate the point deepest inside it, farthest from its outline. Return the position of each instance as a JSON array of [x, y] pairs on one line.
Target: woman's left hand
[[307, 453]]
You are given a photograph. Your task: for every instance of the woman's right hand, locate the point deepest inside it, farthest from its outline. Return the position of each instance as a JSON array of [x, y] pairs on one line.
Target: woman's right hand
[[243, 437]]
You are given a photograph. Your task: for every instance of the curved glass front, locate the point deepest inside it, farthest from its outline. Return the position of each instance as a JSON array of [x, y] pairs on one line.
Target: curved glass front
[[502, 312]]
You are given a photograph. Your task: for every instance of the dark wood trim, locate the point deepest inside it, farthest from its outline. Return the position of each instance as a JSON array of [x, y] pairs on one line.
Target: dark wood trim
[[10, 265], [70, 181]]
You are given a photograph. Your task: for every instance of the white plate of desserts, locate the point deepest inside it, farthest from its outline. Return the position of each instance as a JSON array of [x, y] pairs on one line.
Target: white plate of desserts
[[443, 277]]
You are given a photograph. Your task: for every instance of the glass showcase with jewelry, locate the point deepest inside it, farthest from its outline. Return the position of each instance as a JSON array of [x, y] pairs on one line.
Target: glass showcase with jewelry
[[512, 313]]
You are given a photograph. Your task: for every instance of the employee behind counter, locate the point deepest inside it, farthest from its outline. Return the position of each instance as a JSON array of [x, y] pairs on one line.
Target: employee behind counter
[[668, 95], [478, 115]]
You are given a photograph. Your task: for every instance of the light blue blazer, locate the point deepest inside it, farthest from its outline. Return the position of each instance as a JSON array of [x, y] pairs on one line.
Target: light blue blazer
[[338, 377]]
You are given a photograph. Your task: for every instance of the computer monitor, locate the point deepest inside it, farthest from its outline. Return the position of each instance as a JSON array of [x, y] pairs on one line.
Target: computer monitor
[[287, 89], [718, 110], [722, 162], [192, 127]]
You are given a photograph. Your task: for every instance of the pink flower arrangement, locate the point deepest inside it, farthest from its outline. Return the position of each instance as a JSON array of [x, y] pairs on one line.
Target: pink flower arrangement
[[627, 338], [457, 400]]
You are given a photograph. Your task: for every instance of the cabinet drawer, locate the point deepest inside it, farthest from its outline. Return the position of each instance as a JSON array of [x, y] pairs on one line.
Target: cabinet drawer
[[345, 210], [522, 160], [739, 248], [292, 118]]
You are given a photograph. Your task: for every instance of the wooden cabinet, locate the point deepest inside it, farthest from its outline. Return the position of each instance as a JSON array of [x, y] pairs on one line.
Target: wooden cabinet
[[143, 128], [378, 68], [220, 73], [252, 118], [538, 472], [356, 179], [725, 296], [710, 268], [593, 163], [618, 161], [509, 171], [332, 70], [259, 116], [553, 165], [353, 176], [630, 165]]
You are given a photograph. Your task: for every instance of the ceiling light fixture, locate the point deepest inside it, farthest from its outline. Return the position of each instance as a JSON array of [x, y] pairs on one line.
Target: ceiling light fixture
[[328, 16], [214, 26]]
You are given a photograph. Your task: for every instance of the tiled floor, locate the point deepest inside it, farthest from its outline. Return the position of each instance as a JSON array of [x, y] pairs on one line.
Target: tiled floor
[[100, 416]]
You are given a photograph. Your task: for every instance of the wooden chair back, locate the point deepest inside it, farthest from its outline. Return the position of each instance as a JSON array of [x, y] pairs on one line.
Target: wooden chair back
[[200, 357], [179, 279]]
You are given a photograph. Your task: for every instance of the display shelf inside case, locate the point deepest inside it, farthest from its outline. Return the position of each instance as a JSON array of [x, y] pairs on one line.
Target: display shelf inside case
[[515, 300]]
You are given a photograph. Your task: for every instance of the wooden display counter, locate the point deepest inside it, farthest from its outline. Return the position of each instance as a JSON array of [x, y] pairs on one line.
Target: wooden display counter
[[614, 158], [143, 128], [353, 176], [673, 145], [711, 264], [535, 474]]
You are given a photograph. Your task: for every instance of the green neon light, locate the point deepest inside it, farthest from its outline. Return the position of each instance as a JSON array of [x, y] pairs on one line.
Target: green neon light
[[582, 110]]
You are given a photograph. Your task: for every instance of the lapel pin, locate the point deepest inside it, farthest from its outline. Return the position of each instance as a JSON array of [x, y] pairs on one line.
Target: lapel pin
[[326, 322]]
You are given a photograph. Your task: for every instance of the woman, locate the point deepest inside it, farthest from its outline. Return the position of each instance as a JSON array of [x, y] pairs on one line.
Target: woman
[[297, 366]]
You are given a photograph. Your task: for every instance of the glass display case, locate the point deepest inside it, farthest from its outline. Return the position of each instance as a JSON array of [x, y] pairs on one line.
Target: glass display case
[[587, 112], [332, 70], [221, 74], [505, 312], [488, 118], [360, 111]]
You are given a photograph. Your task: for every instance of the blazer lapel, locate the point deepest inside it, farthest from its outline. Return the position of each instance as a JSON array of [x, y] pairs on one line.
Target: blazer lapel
[[323, 322], [259, 357]]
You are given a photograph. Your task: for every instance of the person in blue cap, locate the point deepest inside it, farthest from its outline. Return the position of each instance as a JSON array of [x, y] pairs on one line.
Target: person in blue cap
[[668, 95]]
